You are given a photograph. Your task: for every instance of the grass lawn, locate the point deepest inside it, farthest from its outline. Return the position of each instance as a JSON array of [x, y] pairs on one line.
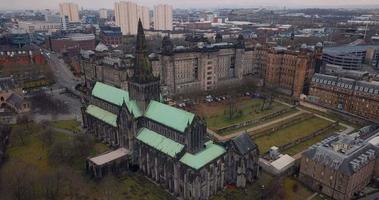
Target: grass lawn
[[292, 189], [34, 155], [214, 113], [295, 190], [304, 145], [291, 133], [252, 191], [263, 122], [71, 125], [332, 116]]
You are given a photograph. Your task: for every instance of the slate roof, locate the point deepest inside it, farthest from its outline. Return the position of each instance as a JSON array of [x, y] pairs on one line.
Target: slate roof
[[102, 115], [159, 142], [208, 154], [244, 144], [347, 161], [15, 100], [347, 83], [170, 116], [7, 83]]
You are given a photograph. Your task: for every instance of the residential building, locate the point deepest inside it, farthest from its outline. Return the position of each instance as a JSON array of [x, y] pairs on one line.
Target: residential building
[[127, 15], [73, 42], [359, 97], [341, 166], [110, 35], [33, 26], [169, 145], [71, 10], [143, 14], [289, 72], [163, 17], [103, 13]]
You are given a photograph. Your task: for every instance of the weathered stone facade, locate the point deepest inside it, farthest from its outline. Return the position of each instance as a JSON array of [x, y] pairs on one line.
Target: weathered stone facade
[[219, 65], [170, 146], [109, 68], [354, 96], [288, 72]]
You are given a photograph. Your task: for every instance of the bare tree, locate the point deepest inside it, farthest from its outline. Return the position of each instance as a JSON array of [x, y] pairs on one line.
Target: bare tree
[[21, 132], [21, 182], [47, 137], [109, 185], [231, 110]]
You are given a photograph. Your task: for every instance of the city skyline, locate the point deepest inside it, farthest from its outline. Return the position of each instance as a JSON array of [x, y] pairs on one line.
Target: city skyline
[[97, 4]]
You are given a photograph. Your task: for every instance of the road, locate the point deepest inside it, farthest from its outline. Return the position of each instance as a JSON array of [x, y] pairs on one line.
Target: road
[[64, 80], [63, 75]]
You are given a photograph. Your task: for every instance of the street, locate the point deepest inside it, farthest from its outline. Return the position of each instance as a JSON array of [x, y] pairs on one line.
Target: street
[[64, 81]]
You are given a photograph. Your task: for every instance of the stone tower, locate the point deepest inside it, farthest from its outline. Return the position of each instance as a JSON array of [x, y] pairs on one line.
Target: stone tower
[[143, 86]]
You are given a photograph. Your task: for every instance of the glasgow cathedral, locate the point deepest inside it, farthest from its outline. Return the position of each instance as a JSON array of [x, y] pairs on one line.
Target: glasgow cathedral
[[168, 145]]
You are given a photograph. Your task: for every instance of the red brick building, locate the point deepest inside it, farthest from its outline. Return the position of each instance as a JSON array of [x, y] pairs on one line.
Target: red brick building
[[22, 57], [354, 96], [73, 42]]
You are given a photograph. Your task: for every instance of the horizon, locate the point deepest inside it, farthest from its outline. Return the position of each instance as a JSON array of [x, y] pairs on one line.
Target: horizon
[[239, 4]]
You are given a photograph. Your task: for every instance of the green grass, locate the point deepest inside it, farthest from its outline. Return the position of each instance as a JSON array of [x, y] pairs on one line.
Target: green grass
[[332, 116], [70, 125], [301, 192], [253, 125], [304, 145], [248, 108], [290, 134], [252, 192], [34, 155]]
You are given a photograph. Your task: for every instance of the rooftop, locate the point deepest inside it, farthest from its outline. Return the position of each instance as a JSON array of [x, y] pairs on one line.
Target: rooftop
[[110, 156], [115, 96], [102, 115], [346, 153], [159, 142], [208, 154], [173, 117]]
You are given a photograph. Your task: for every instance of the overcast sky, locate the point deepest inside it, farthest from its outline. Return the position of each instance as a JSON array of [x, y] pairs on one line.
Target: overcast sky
[[94, 4]]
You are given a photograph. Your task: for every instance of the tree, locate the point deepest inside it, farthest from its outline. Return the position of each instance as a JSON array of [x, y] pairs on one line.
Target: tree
[[21, 132], [62, 152], [108, 187], [232, 109], [51, 185], [20, 182], [275, 190], [47, 137], [83, 144]]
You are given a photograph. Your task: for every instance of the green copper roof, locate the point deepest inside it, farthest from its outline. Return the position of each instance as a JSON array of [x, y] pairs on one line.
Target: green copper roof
[[200, 159], [102, 115], [170, 116], [115, 96], [159, 142]]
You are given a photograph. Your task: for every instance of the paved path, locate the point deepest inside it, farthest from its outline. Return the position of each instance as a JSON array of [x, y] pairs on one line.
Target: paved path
[[250, 130], [371, 196], [312, 196]]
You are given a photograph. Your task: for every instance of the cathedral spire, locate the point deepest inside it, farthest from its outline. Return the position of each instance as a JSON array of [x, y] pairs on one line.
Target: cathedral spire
[[143, 72]]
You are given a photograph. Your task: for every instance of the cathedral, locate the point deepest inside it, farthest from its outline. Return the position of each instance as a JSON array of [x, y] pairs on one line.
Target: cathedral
[[168, 145]]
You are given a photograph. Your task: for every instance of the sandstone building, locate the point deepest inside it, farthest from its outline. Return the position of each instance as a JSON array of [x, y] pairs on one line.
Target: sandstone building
[[169, 145], [341, 165], [213, 66]]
